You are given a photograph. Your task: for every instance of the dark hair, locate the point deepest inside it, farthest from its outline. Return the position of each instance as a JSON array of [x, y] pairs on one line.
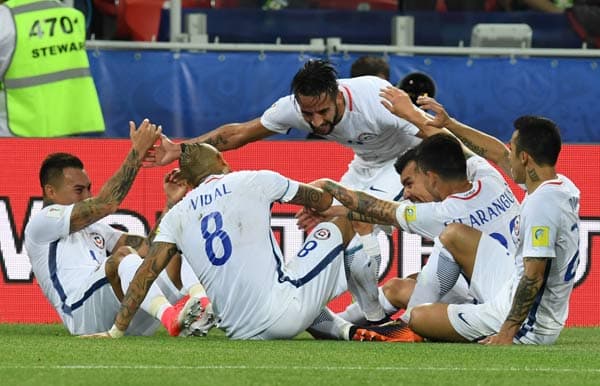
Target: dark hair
[[315, 78], [370, 65], [417, 84], [539, 137], [404, 159], [52, 167], [442, 154]]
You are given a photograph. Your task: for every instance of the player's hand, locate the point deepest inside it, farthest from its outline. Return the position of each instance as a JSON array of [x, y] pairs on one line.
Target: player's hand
[[308, 218], [144, 137], [497, 340], [104, 334], [320, 183], [175, 187], [163, 153], [398, 102], [440, 117]]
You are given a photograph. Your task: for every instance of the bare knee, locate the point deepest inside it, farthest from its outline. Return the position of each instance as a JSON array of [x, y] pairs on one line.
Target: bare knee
[[362, 228], [345, 227], [398, 291], [459, 238], [122, 252]]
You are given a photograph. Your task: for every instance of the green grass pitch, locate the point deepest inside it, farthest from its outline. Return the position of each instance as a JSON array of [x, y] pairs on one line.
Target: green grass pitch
[[47, 355]]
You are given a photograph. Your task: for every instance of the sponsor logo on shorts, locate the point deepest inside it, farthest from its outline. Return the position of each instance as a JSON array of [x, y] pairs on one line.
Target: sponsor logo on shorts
[[376, 189], [98, 240], [462, 317], [322, 234], [540, 236]]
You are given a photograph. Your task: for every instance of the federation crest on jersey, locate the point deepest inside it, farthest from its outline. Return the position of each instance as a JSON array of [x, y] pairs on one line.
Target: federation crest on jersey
[[410, 213], [366, 137], [540, 236], [322, 234], [98, 240]]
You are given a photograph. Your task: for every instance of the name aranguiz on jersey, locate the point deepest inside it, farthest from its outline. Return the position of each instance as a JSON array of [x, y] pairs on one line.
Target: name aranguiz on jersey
[[478, 217], [204, 199]]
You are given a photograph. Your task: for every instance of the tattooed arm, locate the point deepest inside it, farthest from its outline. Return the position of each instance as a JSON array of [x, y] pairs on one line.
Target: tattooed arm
[[479, 142], [115, 189], [227, 137], [364, 207], [159, 256], [312, 197], [529, 286]]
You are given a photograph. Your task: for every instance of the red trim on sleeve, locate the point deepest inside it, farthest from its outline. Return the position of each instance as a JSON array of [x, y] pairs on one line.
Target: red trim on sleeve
[[349, 97]]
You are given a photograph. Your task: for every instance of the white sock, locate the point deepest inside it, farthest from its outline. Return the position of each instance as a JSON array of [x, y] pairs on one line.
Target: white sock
[[362, 276], [167, 287], [189, 280], [388, 307], [353, 314], [436, 278], [328, 325]]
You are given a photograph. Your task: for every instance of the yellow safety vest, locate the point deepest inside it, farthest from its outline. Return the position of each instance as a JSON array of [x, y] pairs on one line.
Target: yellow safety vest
[[48, 85]]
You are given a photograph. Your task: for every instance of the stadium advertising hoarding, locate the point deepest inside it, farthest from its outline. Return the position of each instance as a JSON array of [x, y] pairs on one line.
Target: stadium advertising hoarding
[[21, 301]]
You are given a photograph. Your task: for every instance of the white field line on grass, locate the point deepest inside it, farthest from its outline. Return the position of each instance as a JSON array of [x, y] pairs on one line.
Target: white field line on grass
[[312, 368]]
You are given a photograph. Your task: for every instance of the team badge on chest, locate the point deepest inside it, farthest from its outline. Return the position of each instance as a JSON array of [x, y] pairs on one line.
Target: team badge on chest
[[98, 240]]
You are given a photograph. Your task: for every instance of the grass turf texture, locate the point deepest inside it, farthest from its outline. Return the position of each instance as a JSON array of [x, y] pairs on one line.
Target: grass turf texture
[[47, 355]]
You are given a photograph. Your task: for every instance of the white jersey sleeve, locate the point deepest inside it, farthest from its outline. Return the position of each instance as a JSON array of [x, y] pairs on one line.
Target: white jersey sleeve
[[540, 226], [275, 186], [424, 219], [478, 167], [52, 223], [283, 115]]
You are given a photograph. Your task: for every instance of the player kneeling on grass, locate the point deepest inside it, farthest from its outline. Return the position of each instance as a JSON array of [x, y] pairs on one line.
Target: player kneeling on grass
[[68, 247]]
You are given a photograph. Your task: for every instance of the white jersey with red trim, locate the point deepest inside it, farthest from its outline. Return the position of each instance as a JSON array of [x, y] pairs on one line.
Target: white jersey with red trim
[[489, 206], [549, 228], [61, 261], [223, 227], [375, 134]]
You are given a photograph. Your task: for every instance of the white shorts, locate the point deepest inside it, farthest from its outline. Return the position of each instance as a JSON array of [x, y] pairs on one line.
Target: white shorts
[[493, 285], [315, 276], [383, 182], [94, 306]]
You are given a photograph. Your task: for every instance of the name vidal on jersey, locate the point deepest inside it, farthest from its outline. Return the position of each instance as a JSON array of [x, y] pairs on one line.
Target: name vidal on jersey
[[207, 198], [480, 216]]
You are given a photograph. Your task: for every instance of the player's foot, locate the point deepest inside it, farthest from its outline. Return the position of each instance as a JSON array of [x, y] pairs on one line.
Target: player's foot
[[178, 318], [205, 321], [395, 331]]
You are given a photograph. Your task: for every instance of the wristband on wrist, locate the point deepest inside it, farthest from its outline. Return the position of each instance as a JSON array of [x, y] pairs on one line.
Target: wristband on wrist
[[114, 332]]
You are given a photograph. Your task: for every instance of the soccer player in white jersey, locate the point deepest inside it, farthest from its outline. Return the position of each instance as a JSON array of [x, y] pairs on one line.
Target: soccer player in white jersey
[[458, 186], [223, 228], [526, 302], [348, 111], [68, 246]]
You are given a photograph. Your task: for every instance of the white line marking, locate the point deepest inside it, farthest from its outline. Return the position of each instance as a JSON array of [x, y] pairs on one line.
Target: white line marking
[[312, 368]]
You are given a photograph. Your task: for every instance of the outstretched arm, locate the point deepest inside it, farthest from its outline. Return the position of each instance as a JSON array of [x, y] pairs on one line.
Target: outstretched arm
[[529, 286], [364, 207], [227, 137], [115, 189], [479, 142]]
